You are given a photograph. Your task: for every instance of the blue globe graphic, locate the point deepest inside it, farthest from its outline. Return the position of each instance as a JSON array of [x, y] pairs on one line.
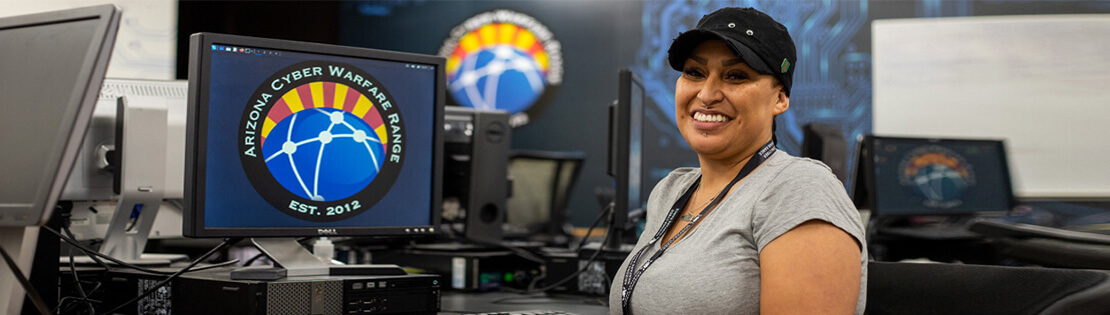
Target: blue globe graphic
[[498, 77], [939, 183], [323, 154]]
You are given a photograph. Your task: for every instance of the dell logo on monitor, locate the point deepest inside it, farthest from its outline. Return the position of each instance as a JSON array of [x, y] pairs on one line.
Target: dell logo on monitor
[[326, 231]]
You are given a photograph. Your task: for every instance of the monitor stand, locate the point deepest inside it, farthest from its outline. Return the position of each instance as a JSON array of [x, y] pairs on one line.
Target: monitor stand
[[126, 237], [293, 260]]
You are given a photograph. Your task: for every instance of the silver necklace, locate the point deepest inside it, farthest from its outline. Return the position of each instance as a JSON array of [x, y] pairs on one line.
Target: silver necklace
[[688, 217]]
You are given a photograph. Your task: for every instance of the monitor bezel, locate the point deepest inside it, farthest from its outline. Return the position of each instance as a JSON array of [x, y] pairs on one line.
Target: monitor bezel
[[867, 157], [79, 113], [196, 134], [620, 153]]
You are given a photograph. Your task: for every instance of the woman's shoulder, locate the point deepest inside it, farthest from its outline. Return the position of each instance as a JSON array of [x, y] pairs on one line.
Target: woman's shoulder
[[791, 169]]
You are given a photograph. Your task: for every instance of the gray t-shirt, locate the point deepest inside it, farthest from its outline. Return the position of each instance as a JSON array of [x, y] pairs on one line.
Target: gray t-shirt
[[715, 268]]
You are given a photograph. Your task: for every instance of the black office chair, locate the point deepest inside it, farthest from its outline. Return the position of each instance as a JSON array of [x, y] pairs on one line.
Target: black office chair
[[913, 288], [542, 182]]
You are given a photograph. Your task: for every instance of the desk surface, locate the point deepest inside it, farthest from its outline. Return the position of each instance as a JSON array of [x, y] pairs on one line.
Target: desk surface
[[468, 303]]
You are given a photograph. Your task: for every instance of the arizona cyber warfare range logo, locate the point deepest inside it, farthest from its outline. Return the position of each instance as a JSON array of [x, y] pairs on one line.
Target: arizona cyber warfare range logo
[[503, 60], [322, 141], [939, 175]]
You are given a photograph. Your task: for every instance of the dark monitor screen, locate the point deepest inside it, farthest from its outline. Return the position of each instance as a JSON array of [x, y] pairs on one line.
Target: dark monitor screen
[[826, 143], [644, 146], [300, 139], [917, 176], [51, 68]]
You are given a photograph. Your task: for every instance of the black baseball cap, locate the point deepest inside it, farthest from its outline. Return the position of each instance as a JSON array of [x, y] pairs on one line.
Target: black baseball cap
[[762, 42]]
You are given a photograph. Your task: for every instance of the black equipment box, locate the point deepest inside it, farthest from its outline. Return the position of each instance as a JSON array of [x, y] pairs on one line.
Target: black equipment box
[[466, 267], [213, 292], [596, 275]]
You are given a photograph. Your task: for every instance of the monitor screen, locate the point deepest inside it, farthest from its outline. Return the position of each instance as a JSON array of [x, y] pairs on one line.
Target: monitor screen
[[51, 68], [916, 176], [299, 139]]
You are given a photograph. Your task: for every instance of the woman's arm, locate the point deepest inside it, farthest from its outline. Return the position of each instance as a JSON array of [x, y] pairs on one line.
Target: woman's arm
[[812, 269]]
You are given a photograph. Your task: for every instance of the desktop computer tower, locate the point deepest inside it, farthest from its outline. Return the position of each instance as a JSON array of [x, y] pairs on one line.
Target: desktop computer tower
[[475, 177], [214, 292]]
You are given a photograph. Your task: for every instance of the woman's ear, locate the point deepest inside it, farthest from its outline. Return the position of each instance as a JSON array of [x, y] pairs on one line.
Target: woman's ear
[[782, 103]]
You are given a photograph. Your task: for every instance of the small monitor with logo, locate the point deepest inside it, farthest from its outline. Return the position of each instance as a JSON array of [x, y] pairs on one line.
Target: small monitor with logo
[[919, 176], [288, 139]]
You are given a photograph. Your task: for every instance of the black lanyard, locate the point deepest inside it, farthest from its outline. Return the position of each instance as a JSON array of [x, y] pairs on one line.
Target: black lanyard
[[631, 277]]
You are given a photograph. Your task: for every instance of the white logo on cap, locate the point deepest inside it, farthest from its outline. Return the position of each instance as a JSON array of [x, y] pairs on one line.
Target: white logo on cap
[[750, 33], [731, 25]]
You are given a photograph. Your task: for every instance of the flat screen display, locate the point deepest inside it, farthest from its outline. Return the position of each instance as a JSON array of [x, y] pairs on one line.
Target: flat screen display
[[291, 139], [913, 176], [51, 68]]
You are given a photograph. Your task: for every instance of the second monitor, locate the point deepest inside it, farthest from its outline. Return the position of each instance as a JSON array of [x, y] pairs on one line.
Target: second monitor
[[918, 176], [626, 124]]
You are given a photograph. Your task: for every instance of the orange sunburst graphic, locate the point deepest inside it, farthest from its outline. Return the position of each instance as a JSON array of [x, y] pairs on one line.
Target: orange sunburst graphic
[[325, 94], [934, 158], [498, 34]]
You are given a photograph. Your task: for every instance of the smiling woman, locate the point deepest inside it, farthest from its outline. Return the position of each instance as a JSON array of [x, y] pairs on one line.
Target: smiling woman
[[752, 230]]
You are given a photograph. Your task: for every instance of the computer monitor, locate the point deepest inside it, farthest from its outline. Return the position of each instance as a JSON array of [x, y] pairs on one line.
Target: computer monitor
[[51, 68], [95, 175], [128, 179], [644, 147], [920, 176], [51, 65], [626, 125], [287, 139], [826, 143]]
